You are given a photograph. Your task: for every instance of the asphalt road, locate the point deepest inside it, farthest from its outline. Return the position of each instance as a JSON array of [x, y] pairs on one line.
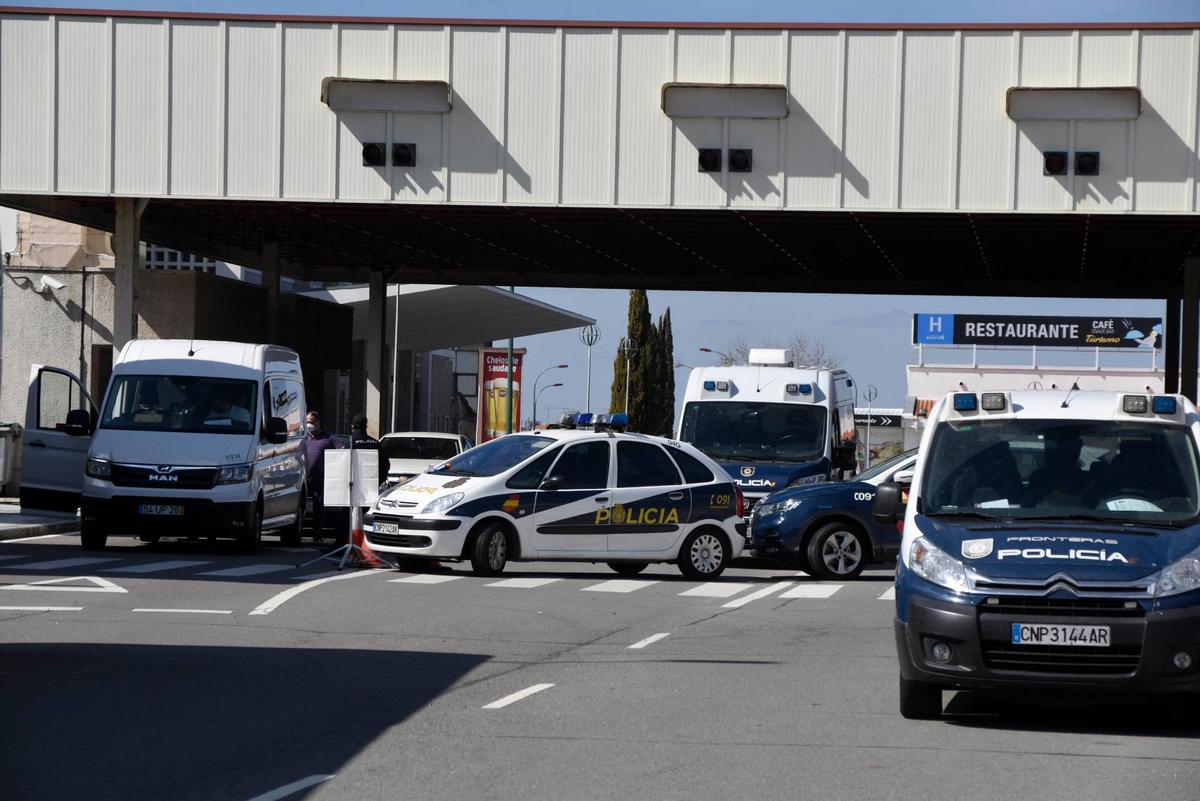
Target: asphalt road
[[188, 671]]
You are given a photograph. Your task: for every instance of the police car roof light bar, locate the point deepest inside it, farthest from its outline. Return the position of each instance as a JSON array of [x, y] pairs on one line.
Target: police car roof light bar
[[965, 402], [1135, 404], [993, 401], [1165, 404]]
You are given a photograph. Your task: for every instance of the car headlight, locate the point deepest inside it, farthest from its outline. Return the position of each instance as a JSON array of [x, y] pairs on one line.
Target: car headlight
[[442, 504], [234, 473], [777, 508], [98, 468], [1182, 576], [933, 564]]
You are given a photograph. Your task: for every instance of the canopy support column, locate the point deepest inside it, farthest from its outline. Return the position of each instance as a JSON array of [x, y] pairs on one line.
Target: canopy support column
[[376, 368], [1171, 348], [127, 248], [269, 264], [1191, 328]]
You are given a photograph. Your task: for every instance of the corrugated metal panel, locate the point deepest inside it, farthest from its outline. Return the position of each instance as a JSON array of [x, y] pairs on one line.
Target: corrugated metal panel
[[869, 164], [309, 55], [426, 181], [758, 57], [1108, 191], [814, 123], [644, 144], [252, 110], [1035, 190], [1163, 154], [1047, 58], [197, 92], [421, 54], [762, 185], [985, 153], [531, 165], [701, 57], [930, 91], [365, 52], [1106, 59], [692, 187], [589, 116], [139, 108], [83, 154], [476, 121], [26, 85]]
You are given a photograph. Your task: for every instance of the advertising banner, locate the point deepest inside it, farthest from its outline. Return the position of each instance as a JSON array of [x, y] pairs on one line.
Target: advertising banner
[[495, 384], [1054, 331]]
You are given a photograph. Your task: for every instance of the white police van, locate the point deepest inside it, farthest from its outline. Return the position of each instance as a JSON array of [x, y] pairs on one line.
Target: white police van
[[1051, 540], [770, 425], [598, 495]]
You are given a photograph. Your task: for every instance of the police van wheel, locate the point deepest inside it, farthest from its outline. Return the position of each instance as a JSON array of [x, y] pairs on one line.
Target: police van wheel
[[920, 700], [628, 568], [704, 554], [249, 540], [291, 534], [489, 551], [92, 538], [838, 550]]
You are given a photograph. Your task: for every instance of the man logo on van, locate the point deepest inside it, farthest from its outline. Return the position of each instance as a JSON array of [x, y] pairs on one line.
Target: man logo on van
[[284, 399], [619, 515]]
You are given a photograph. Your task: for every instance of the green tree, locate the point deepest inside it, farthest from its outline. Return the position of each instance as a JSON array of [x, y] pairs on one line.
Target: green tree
[[666, 375], [651, 369]]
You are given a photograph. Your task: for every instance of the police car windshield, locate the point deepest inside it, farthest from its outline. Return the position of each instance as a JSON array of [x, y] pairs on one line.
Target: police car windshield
[[184, 404], [1062, 469], [494, 457], [879, 468], [432, 449], [755, 432]]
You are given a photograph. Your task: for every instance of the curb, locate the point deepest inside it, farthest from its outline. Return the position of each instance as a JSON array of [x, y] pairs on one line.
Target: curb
[[17, 530]]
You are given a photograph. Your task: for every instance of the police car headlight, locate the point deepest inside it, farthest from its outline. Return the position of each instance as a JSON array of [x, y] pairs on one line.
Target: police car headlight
[[777, 508], [443, 503], [1182, 576], [933, 564], [233, 474]]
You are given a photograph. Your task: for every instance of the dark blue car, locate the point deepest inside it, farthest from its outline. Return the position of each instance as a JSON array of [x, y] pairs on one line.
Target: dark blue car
[[828, 529]]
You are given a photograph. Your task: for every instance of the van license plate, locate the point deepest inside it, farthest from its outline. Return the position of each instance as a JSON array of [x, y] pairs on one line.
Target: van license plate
[[387, 528], [160, 509], [1060, 634]]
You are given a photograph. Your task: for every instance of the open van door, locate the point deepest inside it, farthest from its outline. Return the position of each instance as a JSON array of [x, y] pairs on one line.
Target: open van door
[[59, 420]]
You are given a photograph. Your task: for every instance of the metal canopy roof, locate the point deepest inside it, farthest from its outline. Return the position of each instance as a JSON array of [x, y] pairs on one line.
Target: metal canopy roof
[[1076, 255]]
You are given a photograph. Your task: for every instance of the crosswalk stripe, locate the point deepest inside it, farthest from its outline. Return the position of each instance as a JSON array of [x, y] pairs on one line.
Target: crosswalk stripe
[[523, 583], [812, 591], [424, 578], [889, 595], [619, 585], [247, 570], [158, 567], [58, 564], [738, 603], [717, 589]]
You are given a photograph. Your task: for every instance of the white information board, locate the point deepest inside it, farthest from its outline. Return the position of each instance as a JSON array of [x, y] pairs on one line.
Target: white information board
[[337, 477]]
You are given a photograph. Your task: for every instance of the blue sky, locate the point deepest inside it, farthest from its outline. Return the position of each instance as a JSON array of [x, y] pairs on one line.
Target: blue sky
[[870, 333]]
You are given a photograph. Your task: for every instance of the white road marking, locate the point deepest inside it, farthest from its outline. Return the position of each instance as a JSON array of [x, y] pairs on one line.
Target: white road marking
[[294, 787], [653, 638], [517, 696], [41, 608], [812, 591], [159, 567], [61, 585], [717, 589], [247, 570], [619, 585], [38, 537], [424, 578], [889, 594], [6, 557], [738, 603], [279, 600], [523, 583], [189, 611], [57, 564]]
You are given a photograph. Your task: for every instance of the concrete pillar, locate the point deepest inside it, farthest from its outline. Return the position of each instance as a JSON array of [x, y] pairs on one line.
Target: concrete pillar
[[1171, 347], [1191, 328], [376, 368], [269, 264], [127, 249]]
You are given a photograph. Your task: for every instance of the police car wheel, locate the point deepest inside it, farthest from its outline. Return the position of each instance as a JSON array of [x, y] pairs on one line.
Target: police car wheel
[[920, 700], [628, 568], [92, 537], [489, 551], [837, 550], [704, 554]]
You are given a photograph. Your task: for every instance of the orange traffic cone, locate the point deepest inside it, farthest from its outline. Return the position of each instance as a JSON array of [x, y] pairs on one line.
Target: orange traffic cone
[[366, 557]]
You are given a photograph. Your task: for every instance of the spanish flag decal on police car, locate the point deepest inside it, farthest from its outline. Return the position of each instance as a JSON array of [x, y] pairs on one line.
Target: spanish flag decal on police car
[[511, 504]]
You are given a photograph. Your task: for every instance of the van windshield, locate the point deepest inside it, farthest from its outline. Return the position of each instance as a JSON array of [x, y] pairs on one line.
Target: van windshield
[[190, 404], [1062, 469], [752, 432]]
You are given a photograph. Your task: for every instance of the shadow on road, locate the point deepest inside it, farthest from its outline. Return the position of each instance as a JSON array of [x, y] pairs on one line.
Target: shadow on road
[[181, 722], [1162, 716]]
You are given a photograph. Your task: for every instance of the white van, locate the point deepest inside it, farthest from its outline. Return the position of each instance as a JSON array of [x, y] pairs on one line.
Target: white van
[[193, 437]]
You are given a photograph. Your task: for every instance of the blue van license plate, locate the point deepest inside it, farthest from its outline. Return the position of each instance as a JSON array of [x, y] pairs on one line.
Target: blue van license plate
[[160, 509], [1061, 634]]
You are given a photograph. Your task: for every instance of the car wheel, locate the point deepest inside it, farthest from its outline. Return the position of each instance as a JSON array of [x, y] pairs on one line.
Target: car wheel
[[628, 568], [92, 537], [704, 554], [250, 539], [489, 551], [291, 535], [920, 700], [837, 551]]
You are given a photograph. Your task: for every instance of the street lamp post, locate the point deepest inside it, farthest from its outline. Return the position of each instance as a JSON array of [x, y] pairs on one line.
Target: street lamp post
[[508, 425], [589, 335], [535, 387], [537, 394], [724, 356], [871, 394]]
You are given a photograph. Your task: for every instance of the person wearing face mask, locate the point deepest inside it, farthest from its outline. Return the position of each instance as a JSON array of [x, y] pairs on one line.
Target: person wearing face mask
[[316, 442]]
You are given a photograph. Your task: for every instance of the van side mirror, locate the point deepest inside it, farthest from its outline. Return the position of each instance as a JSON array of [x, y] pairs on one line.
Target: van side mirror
[[889, 503], [551, 483], [277, 430], [845, 456], [78, 424]]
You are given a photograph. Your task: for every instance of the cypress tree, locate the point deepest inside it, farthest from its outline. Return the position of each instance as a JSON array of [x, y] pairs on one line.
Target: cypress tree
[[643, 367], [666, 382]]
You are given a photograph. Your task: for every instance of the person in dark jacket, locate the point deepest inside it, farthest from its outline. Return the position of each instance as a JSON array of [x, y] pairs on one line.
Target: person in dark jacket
[[316, 441], [361, 440]]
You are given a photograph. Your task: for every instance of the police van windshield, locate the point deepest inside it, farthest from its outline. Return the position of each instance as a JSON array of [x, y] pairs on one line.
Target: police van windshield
[[186, 404], [494, 457], [1089, 469], [755, 432]]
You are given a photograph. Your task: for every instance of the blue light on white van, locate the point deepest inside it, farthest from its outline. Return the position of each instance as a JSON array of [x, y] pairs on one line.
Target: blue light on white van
[[806, 389], [710, 386], [1165, 405], [965, 402]]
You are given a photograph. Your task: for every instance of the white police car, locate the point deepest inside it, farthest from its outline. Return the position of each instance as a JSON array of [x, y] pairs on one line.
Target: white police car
[[598, 495]]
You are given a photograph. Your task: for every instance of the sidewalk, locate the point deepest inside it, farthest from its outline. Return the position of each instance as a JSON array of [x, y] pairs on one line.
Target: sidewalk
[[14, 525]]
